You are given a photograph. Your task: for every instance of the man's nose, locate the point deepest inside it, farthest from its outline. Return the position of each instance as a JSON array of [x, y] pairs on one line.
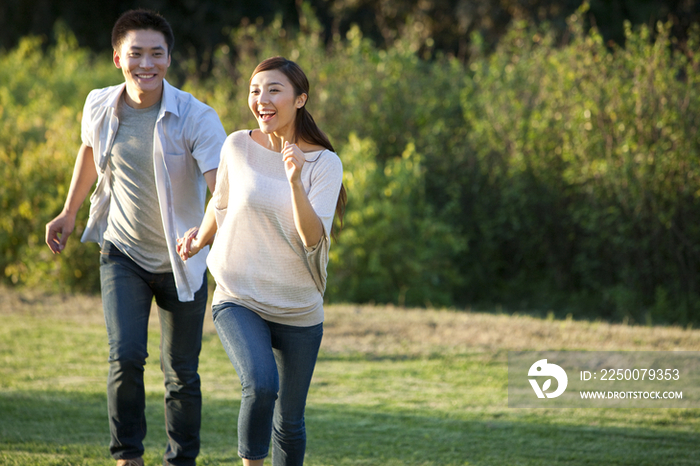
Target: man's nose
[[146, 62]]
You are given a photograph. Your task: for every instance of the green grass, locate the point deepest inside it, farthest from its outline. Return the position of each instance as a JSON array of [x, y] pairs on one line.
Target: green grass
[[392, 386]]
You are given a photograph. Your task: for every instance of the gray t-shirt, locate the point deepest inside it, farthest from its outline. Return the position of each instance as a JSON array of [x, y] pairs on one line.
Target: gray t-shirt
[[134, 223]]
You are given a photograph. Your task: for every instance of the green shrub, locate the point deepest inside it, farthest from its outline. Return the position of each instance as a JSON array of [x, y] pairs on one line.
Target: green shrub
[[549, 174], [41, 99], [393, 249], [590, 172]]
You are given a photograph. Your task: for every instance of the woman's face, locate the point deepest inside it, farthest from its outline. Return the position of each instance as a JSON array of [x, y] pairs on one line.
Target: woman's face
[[272, 101]]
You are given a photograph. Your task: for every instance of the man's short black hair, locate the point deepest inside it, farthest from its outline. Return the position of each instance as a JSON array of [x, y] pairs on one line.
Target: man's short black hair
[[136, 20]]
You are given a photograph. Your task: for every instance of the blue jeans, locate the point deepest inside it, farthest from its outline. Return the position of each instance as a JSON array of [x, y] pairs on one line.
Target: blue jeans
[[127, 293], [274, 363]]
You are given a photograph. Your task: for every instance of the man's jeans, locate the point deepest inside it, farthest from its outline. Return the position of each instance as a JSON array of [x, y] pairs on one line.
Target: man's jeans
[[274, 363], [127, 293]]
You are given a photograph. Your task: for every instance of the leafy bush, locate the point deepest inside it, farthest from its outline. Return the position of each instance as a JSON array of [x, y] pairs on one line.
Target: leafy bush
[[548, 174], [590, 172], [41, 98], [393, 248]]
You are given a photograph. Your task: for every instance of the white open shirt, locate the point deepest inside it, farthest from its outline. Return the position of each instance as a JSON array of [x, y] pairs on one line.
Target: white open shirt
[[186, 143]]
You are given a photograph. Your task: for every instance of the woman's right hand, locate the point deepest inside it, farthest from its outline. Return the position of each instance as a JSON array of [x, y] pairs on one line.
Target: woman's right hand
[[188, 245]]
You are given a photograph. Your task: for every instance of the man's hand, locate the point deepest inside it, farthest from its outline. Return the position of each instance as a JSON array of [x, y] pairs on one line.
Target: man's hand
[[188, 245], [58, 230]]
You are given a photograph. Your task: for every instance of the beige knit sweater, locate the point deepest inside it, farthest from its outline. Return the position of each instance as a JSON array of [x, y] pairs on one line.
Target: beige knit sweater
[[258, 258]]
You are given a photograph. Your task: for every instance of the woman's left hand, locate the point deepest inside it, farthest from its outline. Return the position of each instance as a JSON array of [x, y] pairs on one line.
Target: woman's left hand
[[293, 162]]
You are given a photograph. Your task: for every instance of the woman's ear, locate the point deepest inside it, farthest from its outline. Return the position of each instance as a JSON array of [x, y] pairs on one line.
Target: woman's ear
[[301, 100]]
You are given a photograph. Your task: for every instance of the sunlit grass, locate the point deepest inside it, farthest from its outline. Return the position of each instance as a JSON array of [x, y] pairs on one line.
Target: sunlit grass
[[392, 386]]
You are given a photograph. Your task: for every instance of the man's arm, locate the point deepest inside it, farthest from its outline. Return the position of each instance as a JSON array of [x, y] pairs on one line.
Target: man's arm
[[198, 237], [208, 228], [84, 176], [210, 178]]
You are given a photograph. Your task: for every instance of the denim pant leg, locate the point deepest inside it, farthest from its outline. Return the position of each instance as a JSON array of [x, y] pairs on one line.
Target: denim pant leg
[[127, 294], [126, 301], [270, 359], [296, 350], [247, 341], [181, 341]]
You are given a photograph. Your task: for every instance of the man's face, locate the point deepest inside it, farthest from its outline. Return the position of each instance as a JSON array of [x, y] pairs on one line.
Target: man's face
[[144, 60]]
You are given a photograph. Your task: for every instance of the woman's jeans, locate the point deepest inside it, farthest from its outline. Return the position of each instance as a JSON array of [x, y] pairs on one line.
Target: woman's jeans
[[127, 293], [274, 363]]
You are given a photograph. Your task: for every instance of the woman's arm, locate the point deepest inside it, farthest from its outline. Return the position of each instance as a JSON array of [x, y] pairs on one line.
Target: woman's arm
[[307, 222]]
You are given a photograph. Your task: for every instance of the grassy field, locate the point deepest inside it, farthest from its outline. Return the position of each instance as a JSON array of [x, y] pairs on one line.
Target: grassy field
[[392, 386]]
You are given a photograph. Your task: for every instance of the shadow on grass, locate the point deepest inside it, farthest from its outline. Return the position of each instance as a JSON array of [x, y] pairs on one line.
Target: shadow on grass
[[372, 437], [68, 428]]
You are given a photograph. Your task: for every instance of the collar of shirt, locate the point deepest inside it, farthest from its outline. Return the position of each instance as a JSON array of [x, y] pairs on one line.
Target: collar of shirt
[[168, 102]]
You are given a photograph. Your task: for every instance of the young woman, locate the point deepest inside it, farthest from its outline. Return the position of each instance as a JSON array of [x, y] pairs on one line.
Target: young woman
[[277, 190]]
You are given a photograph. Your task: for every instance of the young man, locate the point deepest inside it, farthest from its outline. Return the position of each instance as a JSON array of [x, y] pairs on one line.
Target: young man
[[152, 150]]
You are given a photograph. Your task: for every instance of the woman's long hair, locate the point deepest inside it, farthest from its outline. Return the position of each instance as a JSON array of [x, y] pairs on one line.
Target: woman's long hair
[[305, 128]]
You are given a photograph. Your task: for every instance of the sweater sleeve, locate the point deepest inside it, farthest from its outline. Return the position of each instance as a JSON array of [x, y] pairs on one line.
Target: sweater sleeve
[[324, 187], [221, 193]]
